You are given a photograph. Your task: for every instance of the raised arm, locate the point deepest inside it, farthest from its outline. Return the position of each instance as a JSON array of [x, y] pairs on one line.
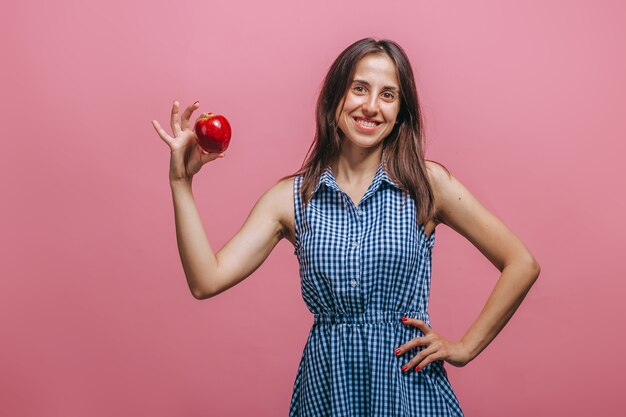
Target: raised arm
[[209, 273], [271, 219]]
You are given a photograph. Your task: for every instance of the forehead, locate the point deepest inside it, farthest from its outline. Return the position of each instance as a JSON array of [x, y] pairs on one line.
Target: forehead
[[377, 68]]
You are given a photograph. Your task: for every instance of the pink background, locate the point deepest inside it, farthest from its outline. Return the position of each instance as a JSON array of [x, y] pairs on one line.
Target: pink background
[[524, 102]]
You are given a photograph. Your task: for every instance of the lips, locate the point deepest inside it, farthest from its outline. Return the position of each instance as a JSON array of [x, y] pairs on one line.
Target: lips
[[366, 125]]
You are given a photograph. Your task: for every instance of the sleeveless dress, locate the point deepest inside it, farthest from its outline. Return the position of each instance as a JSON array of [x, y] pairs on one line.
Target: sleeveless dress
[[362, 269]]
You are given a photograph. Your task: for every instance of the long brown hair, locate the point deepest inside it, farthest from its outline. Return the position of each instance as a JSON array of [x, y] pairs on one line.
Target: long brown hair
[[403, 156]]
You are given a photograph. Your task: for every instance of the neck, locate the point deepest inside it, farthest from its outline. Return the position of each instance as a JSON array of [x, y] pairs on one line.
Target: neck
[[357, 165]]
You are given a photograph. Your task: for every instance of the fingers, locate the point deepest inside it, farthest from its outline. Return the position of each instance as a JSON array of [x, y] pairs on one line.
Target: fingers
[[210, 156], [213, 155], [418, 341], [174, 123], [176, 126], [420, 324], [162, 134], [187, 115], [179, 126], [430, 339], [426, 356], [413, 343]]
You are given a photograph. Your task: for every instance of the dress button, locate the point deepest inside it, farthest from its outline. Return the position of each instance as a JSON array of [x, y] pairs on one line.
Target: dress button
[[353, 283]]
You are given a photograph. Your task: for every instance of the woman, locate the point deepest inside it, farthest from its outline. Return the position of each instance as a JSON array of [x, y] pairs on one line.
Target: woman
[[361, 214]]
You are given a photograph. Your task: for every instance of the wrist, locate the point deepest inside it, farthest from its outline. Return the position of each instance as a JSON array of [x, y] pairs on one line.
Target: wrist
[[470, 350], [180, 183]]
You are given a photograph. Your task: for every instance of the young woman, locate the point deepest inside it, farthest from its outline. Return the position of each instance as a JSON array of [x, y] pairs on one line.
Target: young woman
[[361, 214]]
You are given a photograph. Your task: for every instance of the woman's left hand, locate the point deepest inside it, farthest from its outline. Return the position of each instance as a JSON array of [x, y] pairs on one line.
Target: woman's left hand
[[437, 348]]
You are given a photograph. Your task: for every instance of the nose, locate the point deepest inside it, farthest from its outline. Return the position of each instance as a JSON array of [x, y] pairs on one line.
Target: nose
[[370, 106]]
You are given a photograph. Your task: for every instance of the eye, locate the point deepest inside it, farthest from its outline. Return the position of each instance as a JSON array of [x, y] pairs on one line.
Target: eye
[[388, 96], [359, 88]]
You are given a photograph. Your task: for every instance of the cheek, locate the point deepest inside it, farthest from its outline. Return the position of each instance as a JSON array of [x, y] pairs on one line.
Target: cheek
[[394, 112], [340, 107]]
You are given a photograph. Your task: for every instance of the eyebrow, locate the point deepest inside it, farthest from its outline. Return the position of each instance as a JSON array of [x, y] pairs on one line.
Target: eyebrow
[[387, 87]]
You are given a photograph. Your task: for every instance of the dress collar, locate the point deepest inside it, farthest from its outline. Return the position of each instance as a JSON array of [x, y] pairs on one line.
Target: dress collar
[[328, 179]]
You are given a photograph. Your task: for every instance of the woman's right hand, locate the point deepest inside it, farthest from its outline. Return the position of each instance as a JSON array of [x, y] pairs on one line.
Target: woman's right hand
[[187, 157]]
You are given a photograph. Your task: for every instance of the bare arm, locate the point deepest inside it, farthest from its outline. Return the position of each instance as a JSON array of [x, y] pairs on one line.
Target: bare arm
[[459, 209], [271, 219], [209, 273]]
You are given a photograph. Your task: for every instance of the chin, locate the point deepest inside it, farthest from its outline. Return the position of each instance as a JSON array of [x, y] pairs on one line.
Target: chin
[[365, 144]]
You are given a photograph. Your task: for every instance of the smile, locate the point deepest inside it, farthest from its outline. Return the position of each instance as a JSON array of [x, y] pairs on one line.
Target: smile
[[366, 123]]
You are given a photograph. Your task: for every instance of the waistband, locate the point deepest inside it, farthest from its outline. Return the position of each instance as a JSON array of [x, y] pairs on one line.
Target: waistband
[[370, 317]]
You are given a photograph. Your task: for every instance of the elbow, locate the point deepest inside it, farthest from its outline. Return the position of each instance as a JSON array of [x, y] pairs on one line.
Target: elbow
[[535, 268], [527, 265], [201, 294], [198, 295], [201, 287]]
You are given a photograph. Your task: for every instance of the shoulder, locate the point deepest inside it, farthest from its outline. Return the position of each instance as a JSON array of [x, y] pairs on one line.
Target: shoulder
[[280, 194], [440, 180], [451, 196], [455, 205], [283, 186], [438, 174]]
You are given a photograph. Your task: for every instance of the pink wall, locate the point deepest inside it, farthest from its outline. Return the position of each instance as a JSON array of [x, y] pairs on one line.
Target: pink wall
[[524, 102]]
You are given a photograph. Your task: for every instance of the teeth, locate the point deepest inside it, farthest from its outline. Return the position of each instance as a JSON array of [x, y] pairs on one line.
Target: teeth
[[366, 124]]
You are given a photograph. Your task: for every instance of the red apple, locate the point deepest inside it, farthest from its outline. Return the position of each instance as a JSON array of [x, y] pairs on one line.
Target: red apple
[[212, 132]]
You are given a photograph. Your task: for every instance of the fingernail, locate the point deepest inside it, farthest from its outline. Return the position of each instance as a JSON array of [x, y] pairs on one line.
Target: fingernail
[[397, 351], [197, 102], [417, 368], [404, 319], [404, 368]]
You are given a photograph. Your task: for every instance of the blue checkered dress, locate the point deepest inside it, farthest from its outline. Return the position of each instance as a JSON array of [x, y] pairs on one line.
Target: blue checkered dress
[[363, 269]]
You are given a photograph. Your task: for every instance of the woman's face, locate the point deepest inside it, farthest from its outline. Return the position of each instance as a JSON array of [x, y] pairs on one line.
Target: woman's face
[[371, 103]]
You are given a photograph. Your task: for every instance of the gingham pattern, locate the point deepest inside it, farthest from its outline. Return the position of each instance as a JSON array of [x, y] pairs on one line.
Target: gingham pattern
[[363, 269]]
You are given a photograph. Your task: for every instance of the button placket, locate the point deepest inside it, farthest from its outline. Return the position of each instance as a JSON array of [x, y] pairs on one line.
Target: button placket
[[355, 253]]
